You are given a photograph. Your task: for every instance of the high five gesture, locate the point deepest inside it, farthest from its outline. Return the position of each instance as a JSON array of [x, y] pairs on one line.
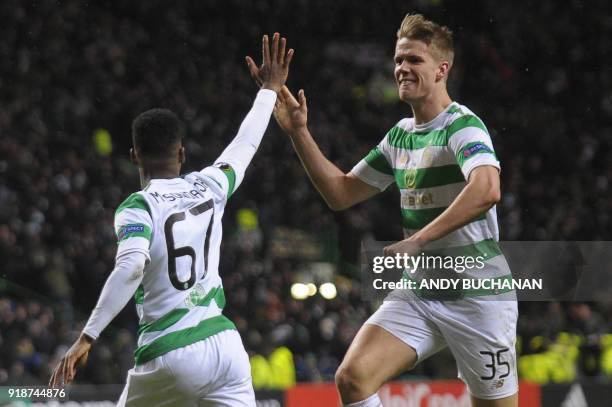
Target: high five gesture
[[273, 72]]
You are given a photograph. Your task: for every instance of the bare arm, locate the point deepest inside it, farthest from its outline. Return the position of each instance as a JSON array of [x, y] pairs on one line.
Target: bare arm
[[478, 196], [339, 190]]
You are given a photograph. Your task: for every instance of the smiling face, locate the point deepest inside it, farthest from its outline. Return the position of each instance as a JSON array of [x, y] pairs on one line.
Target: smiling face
[[418, 72]]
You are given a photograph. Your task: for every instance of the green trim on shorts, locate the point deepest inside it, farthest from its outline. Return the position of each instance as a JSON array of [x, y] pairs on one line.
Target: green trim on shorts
[[181, 338]]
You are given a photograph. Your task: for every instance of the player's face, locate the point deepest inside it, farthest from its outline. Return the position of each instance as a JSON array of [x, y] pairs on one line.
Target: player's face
[[415, 69]]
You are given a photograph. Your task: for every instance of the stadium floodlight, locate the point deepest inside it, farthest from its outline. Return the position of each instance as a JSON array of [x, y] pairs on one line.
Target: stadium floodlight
[[299, 291], [312, 289], [328, 291]]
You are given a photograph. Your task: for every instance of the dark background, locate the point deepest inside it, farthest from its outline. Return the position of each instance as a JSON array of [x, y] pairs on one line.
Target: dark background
[[537, 73]]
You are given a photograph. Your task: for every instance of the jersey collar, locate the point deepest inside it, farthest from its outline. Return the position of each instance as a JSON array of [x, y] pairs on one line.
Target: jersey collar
[[436, 121]]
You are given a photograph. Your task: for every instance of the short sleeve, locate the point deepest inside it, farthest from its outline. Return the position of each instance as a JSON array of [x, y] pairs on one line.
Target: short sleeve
[[375, 168], [471, 144], [133, 226]]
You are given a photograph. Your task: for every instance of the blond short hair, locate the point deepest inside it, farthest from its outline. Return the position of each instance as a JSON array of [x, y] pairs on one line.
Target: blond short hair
[[439, 38]]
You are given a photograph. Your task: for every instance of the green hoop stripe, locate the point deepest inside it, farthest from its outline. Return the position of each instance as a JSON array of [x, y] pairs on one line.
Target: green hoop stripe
[[400, 138], [428, 177], [419, 218], [139, 295], [464, 122], [454, 109], [175, 315], [134, 201], [377, 160], [415, 140], [181, 338]]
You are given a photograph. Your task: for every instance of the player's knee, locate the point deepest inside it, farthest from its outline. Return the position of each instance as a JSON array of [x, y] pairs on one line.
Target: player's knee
[[352, 378]]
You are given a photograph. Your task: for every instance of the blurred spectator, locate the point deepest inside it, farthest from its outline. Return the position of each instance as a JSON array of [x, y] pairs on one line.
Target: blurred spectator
[[74, 74]]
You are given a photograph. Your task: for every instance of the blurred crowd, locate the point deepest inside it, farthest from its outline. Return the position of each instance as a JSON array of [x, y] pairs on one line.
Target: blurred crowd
[[73, 75]]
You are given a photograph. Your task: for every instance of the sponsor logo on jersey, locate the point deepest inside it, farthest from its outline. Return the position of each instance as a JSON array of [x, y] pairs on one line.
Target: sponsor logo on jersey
[[417, 200], [410, 178], [575, 397], [476, 148], [126, 231]]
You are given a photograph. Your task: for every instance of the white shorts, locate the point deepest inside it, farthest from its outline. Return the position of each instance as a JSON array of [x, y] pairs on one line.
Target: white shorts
[[212, 372], [481, 335]]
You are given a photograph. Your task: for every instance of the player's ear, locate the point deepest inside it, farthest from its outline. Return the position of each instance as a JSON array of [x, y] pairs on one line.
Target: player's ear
[[181, 155], [443, 69]]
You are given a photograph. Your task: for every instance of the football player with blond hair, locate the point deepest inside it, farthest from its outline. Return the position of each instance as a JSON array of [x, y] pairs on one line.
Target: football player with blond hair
[[443, 162]]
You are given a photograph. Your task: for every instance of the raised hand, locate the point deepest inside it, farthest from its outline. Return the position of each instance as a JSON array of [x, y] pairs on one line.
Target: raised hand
[[291, 114], [273, 72]]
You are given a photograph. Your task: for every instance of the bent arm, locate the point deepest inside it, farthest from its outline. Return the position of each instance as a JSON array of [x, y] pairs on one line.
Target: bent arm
[[478, 196], [339, 190], [118, 289]]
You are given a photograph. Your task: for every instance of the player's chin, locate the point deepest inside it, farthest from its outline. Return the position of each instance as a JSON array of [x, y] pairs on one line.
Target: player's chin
[[406, 96]]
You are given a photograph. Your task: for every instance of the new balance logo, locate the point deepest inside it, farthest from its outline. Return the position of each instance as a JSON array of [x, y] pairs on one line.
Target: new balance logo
[[575, 397]]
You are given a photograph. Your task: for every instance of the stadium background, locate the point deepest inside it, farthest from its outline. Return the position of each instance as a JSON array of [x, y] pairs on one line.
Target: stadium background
[[74, 74]]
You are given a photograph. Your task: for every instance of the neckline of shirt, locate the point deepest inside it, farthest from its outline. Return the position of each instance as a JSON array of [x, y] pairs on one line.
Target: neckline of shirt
[[435, 121], [166, 180]]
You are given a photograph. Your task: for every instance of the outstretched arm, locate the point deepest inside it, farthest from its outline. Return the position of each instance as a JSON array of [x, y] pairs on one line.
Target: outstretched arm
[[118, 289], [339, 190], [273, 74]]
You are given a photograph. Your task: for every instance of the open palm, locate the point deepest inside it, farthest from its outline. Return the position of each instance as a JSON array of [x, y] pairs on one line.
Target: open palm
[[291, 114]]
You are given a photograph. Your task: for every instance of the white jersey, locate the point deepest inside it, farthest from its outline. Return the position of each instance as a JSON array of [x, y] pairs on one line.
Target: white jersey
[[176, 223]]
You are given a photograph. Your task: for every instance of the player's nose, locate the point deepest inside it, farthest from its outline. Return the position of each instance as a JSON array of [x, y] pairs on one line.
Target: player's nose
[[402, 69], [404, 66]]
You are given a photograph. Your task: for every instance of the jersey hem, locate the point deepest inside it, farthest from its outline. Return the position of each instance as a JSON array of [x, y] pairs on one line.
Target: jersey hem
[[182, 338]]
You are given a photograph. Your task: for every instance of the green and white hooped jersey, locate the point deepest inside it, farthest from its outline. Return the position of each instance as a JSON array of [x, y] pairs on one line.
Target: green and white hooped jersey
[[430, 164], [176, 223]]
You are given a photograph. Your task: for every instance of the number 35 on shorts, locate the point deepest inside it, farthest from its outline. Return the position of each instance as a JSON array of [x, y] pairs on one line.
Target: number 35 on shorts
[[497, 364]]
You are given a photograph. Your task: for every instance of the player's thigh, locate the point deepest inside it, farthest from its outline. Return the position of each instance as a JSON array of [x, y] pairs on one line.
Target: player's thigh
[[482, 337], [237, 394], [233, 386], [391, 341], [214, 369], [151, 385]]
